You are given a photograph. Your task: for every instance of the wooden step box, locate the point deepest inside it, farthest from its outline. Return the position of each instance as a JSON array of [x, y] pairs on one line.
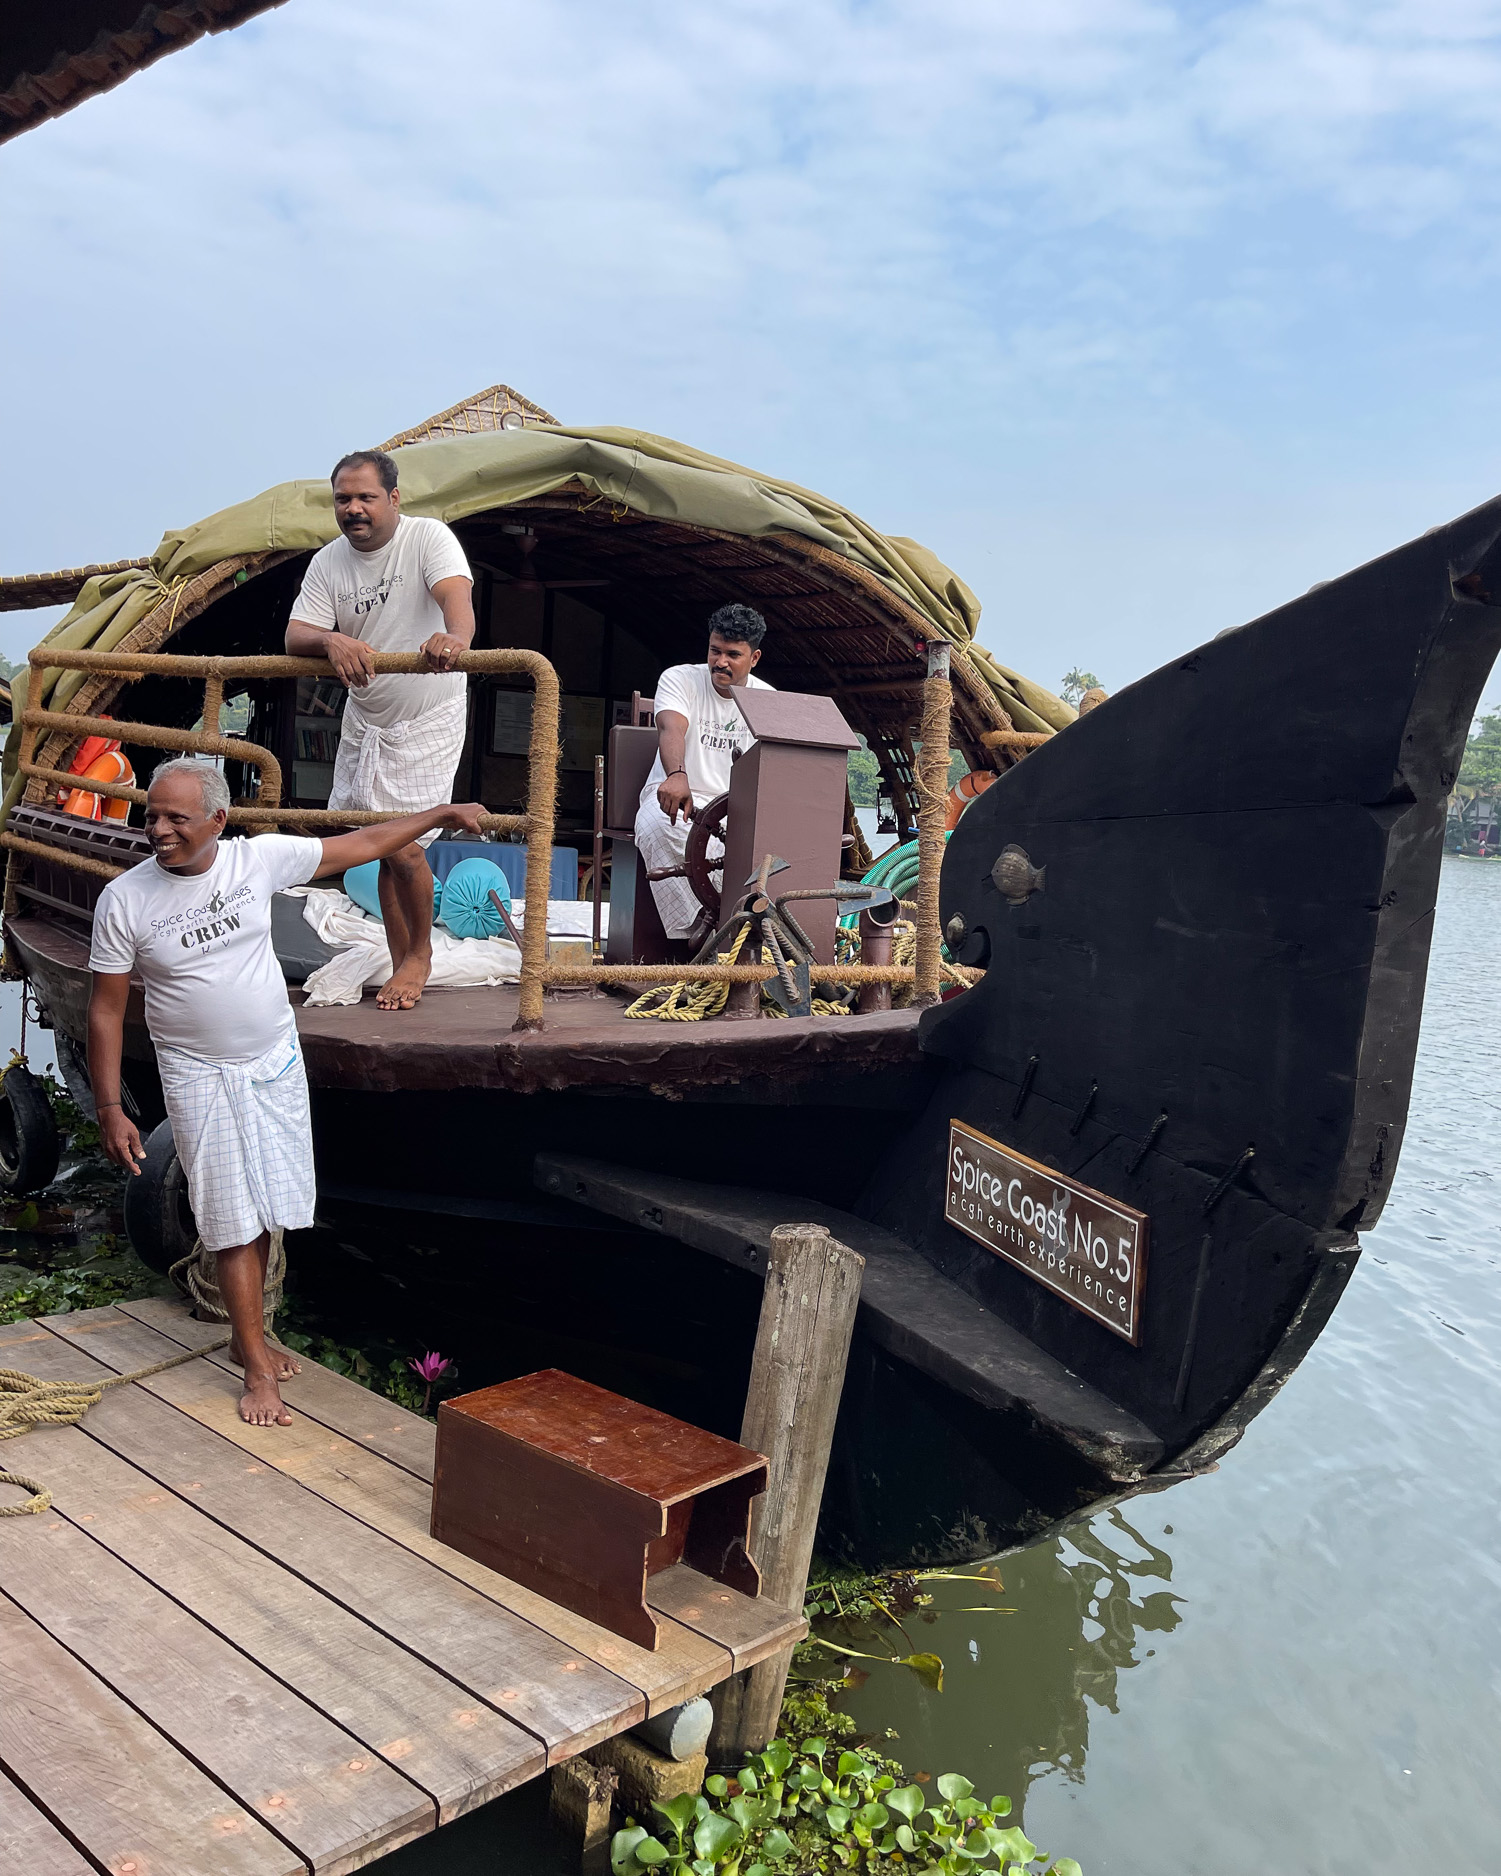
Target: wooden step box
[[583, 1496]]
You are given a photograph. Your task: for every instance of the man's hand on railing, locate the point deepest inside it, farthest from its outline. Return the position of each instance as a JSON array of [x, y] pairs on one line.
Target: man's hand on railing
[[466, 815], [441, 652], [351, 658]]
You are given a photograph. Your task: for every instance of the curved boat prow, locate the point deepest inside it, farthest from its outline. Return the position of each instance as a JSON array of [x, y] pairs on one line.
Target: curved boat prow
[[1205, 912]]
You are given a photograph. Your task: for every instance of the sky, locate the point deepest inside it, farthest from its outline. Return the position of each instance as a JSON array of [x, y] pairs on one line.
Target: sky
[[1144, 316]]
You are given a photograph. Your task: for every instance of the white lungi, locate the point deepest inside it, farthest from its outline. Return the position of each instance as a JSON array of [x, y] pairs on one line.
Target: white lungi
[[244, 1134], [662, 843], [404, 768]]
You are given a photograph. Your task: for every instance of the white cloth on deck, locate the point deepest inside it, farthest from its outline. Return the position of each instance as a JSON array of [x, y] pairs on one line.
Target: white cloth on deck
[[401, 768], [244, 1134], [362, 959]]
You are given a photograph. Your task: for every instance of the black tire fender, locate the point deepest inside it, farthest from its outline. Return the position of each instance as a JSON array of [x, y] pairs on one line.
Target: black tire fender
[[30, 1144], [158, 1217]]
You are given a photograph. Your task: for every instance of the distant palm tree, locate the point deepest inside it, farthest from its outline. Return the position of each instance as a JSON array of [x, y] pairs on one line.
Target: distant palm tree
[[1075, 683]]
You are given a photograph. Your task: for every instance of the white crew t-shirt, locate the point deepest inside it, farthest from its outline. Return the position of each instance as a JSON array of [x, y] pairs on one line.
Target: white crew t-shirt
[[717, 732], [202, 944], [386, 599]]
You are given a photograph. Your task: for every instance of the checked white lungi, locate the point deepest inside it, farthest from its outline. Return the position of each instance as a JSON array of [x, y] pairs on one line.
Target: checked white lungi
[[405, 768], [244, 1134], [662, 843]]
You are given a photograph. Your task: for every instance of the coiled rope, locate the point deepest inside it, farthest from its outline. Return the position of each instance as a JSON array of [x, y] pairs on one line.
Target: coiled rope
[[685, 1002], [197, 1276], [26, 1402], [694, 1002]]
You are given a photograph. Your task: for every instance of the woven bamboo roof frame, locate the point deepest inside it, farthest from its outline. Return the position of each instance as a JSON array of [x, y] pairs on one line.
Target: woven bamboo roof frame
[[56, 60], [23, 592], [485, 411], [871, 607]]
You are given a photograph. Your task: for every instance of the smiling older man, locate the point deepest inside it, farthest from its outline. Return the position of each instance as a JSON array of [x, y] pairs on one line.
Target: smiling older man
[[195, 922]]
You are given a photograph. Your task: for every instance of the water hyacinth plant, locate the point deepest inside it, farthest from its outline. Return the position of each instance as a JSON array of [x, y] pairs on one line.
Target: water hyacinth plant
[[792, 1812]]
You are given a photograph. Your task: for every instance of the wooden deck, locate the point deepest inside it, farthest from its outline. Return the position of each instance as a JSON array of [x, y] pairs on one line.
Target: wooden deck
[[463, 1039], [236, 1651]]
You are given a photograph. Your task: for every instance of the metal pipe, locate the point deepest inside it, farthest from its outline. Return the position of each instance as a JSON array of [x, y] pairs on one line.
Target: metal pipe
[[875, 948]]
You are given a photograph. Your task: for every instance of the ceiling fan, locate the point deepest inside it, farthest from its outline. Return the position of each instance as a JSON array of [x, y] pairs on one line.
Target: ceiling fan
[[527, 579]]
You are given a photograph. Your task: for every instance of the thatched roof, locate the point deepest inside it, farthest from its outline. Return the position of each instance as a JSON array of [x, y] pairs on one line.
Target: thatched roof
[[669, 531], [53, 57], [24, 592], [499, 408]]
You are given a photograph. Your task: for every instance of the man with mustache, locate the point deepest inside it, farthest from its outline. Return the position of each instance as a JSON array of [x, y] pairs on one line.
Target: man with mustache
[[700, 731], [195, 922], [393, 582]]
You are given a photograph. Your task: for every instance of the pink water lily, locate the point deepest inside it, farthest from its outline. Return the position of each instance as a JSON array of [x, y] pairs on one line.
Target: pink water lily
[[430, 1369]]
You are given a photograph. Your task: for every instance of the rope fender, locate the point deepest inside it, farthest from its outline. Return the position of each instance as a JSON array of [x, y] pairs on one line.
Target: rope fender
[[26, 1402]]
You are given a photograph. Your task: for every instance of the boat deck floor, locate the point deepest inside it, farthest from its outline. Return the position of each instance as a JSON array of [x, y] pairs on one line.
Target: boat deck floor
[[457, 1039], [236, 1651]]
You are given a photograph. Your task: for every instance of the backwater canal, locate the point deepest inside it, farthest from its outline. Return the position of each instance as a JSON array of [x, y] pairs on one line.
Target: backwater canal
[[1294, 1663]]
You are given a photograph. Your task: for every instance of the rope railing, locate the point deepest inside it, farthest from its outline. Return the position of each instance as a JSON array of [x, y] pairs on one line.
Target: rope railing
[[537, 823]]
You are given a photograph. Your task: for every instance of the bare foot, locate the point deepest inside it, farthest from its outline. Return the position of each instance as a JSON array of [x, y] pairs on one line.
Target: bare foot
[[284, 1363], [261, 1404], [402, 990]]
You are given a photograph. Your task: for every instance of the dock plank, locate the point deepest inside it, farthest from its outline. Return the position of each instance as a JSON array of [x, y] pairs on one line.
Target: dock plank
[[460, 1753], [30, 1843], [405, 1438], [688, 1661], [327, 1796], [750, 1627], [567, 1701], [110, 1778]]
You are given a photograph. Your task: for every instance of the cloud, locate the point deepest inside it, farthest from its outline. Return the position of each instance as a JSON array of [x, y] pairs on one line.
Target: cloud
[[910, 252]]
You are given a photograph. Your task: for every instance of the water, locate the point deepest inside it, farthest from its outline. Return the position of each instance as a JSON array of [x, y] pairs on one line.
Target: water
[[1294, 1662]]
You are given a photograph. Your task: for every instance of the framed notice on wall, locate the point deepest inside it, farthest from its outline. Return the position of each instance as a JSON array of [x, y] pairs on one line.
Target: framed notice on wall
[[1089, 1249]]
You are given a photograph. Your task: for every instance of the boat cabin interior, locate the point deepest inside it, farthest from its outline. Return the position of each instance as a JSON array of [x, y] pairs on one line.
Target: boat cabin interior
[[611, 599]]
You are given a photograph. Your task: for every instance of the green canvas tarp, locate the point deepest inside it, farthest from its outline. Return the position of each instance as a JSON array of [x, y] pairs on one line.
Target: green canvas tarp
[[466, 475]]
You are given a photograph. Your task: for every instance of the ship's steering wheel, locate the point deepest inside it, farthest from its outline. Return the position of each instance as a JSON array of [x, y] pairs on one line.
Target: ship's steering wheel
[[708, 824]]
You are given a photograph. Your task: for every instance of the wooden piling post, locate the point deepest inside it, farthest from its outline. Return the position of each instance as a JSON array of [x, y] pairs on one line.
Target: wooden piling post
[[797, 1378]]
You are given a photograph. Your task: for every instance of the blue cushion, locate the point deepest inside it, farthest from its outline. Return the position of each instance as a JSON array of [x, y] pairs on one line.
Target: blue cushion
[[362, 885], [510, 856], [466, 907], [444, 855]]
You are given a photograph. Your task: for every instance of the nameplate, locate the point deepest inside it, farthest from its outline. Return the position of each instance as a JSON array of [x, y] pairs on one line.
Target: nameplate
[[1086, 1248]]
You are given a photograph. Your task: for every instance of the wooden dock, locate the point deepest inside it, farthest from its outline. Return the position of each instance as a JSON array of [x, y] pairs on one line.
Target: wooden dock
[[236, 1651]]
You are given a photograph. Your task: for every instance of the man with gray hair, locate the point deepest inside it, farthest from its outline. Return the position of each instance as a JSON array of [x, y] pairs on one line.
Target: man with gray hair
[[195, 922]]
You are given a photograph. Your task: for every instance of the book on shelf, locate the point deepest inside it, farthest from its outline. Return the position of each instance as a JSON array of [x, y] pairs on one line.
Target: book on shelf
[[317, 742]]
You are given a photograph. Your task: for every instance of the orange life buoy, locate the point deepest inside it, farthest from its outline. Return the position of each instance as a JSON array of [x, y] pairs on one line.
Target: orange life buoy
[[964, 792], [111, 766], [89, 750]]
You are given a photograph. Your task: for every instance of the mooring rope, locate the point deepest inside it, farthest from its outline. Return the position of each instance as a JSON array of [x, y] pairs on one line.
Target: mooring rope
[[197, 1276], [26, 1402]]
